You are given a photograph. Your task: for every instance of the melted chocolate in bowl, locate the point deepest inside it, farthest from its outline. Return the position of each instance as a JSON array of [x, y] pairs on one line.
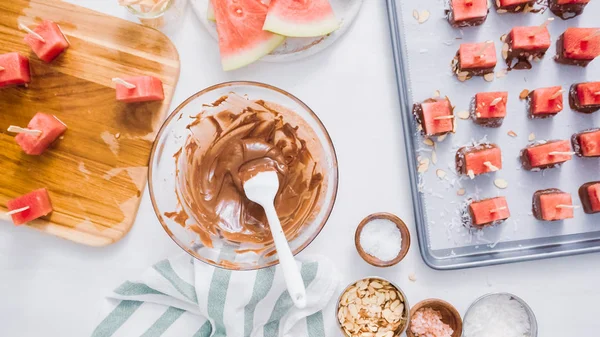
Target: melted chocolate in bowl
[[202, 157]]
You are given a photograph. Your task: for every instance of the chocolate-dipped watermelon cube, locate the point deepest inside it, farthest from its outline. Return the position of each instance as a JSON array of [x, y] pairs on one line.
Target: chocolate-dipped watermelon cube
[[436, 116], [480, 159], [578, 46], [49, 127], [585, 97], [589, 193], [587, 143], [567, 9], [548, 154], [513, 6], [30, 206], [552, 205], [14, 69], [139, 89], [488, 212], [474, 59], [53, 44], [465, 13], [545, 102], [489, 108], [523, 44]]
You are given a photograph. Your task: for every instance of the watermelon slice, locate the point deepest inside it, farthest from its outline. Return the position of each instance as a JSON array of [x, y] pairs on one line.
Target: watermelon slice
[[51, 128], [15, 69], [30, 206], [147, 88], [210, 12], [54, 42], [301, 18], [242, 39]]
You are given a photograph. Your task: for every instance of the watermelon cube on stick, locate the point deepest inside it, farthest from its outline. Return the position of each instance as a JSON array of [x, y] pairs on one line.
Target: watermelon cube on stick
[[42, 130], [14, 69], [139, 89], [242, 39], [30, 206], [46, 40], [306, 18]]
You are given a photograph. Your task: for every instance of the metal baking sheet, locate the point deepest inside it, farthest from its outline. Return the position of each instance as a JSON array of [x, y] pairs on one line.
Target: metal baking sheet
[[422, 55]]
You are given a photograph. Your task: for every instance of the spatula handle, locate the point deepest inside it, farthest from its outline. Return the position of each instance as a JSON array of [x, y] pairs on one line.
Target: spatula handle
[[293, 279]]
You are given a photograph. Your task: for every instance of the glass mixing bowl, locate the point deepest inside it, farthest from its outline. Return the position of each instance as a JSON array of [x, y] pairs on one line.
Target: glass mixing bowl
[[162, 178]]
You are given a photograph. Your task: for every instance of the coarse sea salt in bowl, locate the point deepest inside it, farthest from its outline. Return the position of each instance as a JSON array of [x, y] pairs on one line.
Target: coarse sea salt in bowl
[[499, 315], [382, 239]]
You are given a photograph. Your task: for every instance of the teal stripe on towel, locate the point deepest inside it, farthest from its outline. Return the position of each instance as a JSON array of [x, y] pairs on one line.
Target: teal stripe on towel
[[163, 322], [134, 289], [262, 285], [284, 302], [116, 318], [204, 331], [166, 270], [315, 325], [217, 294]]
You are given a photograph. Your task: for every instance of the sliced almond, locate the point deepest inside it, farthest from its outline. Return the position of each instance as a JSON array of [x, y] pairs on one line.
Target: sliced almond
[[436, 94], [423, 16], [416, 14], [501, 11], [412, 277], [471, 174], [463, 114], [501, 183], [501, 73], [511, 133], [524, 93], [419, 127], [441, 138], [434, 157], [531, 137], [503, 38], [461, 192], [428, 141], [376, 285], [489, 77], [440, 173]]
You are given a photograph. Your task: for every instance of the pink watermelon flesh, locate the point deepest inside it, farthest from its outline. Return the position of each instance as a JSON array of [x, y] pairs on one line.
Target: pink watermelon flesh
[[242, 39], [16, 69], [147, 88], [38, 202], [55, 42], [301, 18], [51, 129]]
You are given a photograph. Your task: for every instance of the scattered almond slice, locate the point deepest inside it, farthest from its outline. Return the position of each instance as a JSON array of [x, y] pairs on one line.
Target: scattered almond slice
[[412, 277], [512, 133], [501, 183], [428, 141], [502, 73], [463, 114], [524, 94], [471, 174], [461, 192], [489, 77], [434, 157], [531, 137], [416, 14], [441, 138], [501, 11], [419, 127], [436, 94], [503, 38], [423, 16], [440, 173]]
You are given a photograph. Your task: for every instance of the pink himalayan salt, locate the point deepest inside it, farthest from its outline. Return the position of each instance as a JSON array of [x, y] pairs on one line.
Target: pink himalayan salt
[[427, 322]]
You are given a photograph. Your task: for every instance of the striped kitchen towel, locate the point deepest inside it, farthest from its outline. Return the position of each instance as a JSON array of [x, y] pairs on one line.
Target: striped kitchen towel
[[184, 297]]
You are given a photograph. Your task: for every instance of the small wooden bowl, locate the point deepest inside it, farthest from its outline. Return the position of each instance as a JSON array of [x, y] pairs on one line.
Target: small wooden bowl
[[449, 313], [404, 233]]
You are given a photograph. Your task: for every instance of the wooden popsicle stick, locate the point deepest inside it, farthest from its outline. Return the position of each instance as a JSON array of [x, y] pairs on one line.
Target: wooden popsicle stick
[[1, 68], [541, 27], [480, 52], [124, 83], [597, 32], [496, 101], [491, 166], [30, 31], [443, 117], [497, 209], [18, 129], [471, 174], [597, 93], [18, 210], [567, 206], [556, 94], [561, 153]]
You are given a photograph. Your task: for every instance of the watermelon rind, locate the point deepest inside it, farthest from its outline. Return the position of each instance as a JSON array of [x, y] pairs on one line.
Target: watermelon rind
[[281, 26], [248, 56], [210, 12]]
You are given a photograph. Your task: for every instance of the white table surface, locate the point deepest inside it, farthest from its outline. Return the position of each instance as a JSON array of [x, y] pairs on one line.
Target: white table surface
[[53, 287]]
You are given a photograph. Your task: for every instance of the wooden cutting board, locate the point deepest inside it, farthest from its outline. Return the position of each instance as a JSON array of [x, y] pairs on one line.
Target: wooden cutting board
[[95, 174]]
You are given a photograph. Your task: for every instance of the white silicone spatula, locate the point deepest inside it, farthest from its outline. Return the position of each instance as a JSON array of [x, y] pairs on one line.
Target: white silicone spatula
[[262, 189]]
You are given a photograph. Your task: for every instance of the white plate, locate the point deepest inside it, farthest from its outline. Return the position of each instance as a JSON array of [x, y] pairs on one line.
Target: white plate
[[295, 48]]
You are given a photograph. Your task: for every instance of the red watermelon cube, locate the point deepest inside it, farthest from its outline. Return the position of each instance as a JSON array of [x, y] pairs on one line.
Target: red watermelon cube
[[507, 3], [434, 117], [38, 203], [589, 193], [588, 143], [54, 41], [530, 38], [480, 159], [51, 128], [15, 69], [594, 195], [588, 94], [491, 104], [468, 12], [581, 43], [477, 55], [546, 102], [552, 205], [147, 88], [489, 211], [546, 155]]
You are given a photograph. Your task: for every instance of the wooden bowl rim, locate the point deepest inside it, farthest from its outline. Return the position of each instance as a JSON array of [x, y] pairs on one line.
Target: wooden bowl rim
[[441, 303], [404, 234]]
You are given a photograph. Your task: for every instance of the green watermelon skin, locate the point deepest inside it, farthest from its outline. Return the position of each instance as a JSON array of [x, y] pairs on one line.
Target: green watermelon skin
[[301, 18], [241, 38]]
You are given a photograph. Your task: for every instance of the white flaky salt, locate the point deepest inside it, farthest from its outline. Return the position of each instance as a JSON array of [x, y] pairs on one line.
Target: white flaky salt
[[381, 238], [497, 316]]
